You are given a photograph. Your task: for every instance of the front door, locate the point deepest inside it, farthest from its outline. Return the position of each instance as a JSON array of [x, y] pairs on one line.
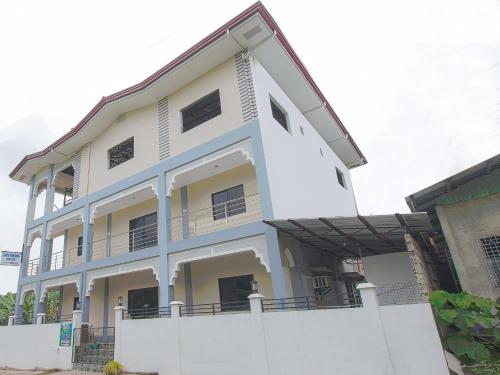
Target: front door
[[234, 292], [143, 303]]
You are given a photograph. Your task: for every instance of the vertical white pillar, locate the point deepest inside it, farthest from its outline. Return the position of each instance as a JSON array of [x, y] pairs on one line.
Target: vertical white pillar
[[175, 309], [258, 358], [118, 332], [370, 304], [11, 320], [77, 319], [40, 317]]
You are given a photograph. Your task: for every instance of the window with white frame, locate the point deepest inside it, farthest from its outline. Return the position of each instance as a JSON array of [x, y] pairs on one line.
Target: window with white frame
[[491, 253]]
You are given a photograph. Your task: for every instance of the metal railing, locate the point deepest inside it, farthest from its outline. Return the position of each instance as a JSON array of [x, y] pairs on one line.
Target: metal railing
[[121, 243], [399, 293], [215, 308], [147, 313], [63, 259], [57, 318], [343, 300], [23, 321], [89, 335], [32, 267], [232, 213]]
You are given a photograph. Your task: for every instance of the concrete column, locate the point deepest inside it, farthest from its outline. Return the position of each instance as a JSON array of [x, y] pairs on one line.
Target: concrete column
[[188, 285], [30, 211], [84, 299], [49, 196], [164, 212], [118, 332], [105, 312], [38, 307], [278, 277], [256, 303], [40, 317], [174, 367], [77, 319], [371, 306], [185, 212], [87, 236], [109, 229], [45, 249], [59, 305], [11, 320]]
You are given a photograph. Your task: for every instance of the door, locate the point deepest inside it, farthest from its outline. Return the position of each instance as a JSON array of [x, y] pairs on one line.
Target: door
[[143, 303], [143, 232], [234, 292]]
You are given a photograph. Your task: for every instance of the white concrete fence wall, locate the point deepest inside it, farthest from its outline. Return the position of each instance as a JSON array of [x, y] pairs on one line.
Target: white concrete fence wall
[[374, 340], [392, 340]]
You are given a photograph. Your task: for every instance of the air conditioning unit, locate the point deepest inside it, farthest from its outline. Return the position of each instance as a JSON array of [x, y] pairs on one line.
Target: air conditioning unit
[[320, 282]]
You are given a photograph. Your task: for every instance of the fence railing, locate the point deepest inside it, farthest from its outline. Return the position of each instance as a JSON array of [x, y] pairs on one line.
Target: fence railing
[[47, 319], [232, 213], [32, 267], [121, 243], [342, 300], [215, 308], [23, 321], [399, 293], [147, 313], [87, 335]]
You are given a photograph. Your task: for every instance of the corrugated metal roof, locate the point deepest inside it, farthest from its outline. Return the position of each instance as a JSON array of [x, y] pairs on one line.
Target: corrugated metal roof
[[355, 236]]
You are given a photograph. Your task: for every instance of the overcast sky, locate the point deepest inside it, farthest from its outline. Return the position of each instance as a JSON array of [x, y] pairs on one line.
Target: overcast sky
[[417, 83]]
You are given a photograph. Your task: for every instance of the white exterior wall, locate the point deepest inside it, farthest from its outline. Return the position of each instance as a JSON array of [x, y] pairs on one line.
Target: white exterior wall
[[389, 268], [339, 341], [33, 346], [302, 182]]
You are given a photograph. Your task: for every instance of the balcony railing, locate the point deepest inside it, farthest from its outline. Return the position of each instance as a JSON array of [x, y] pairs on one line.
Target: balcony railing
[[63, 259], [32, 267], [122, 243], [232, 213]]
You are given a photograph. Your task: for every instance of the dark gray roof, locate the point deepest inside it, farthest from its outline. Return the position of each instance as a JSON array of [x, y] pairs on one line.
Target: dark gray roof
[[358, 235]]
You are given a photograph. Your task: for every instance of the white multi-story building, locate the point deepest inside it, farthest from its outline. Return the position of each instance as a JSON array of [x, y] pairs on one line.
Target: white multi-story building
[[150, 193], [181, 188]]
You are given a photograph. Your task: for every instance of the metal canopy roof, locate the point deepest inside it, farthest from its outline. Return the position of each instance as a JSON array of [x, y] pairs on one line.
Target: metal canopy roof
[[356, 236]]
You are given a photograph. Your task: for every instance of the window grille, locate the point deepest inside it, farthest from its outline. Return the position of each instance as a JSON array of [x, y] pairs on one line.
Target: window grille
[[201, 111], [491, 256], [121, 153]]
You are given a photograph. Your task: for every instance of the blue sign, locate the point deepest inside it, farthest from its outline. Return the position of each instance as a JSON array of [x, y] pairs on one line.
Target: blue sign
[[10, 258]]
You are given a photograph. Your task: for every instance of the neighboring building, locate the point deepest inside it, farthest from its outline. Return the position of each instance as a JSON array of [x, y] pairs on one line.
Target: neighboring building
[[181, 188], [465, 213]]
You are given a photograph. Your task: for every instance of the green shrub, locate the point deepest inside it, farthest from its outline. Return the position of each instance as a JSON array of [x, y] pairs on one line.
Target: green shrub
[[485, 369], [113, 368], [472, 323]]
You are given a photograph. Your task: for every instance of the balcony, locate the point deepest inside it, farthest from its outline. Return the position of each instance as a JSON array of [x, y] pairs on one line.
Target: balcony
[[31, 267], [224, 215], [126, 242]]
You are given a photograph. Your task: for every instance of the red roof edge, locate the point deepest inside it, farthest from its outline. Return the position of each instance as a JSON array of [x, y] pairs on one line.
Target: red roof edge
[[257, 7]]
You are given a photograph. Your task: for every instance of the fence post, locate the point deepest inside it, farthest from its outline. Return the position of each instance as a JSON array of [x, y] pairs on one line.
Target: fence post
[[118, 332], [256, 303], [77, 318], [40, 317], [11, 320], [175, 309], [259, 356], [369, 299]]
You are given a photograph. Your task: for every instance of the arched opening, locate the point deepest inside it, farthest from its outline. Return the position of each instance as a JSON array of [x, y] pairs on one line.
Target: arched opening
[[33, 264], [39, 195]]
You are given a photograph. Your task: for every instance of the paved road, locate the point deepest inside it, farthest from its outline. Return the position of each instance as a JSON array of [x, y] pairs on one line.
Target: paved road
[[25, 372]]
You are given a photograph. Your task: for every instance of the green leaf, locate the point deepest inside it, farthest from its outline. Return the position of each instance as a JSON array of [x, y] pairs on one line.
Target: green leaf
[[458, 345], [478, 352], [447, 315], [461, 300], [438, 298], [465, 319], [484, 304], [486, 321]]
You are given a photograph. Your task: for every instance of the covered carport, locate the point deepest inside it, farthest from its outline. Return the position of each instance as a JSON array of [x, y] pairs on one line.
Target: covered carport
[[394, 250]]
